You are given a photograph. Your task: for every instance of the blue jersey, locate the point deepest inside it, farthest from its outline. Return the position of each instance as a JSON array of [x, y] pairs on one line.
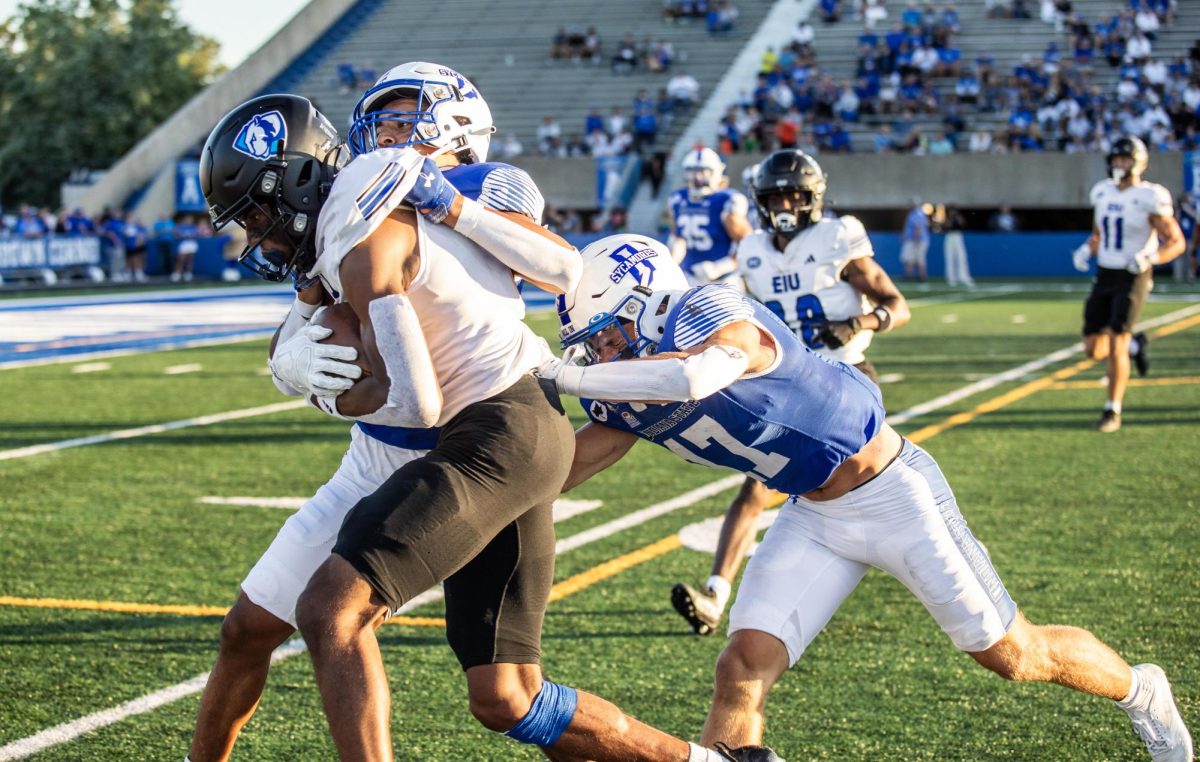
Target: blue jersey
[[700, 225], [502, 187], [788, 428]]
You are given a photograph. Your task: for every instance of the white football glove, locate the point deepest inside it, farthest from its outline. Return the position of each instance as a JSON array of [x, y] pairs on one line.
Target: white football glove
[[1142, 261], [1082, 258], [312, 368], [713, 270], [552, 368]]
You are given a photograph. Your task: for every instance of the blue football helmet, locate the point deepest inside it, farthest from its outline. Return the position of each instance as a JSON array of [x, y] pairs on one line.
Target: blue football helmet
[[450, 113], [626, 280]]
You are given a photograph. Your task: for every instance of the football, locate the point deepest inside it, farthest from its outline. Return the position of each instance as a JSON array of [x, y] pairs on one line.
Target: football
[[340, 319]]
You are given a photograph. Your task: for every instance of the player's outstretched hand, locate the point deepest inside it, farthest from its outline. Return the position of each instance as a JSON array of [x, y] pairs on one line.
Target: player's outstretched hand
[[432, 194], [1082, 258], [837, 333], [306, 365]]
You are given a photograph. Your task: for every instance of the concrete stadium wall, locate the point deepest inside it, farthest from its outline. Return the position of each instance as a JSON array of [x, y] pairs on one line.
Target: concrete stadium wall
[[192, 123], [889, 181], [1032, 181]]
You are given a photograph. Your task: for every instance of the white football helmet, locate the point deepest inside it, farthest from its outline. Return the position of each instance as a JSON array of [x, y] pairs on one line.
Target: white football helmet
[[703, 171], [450, 114], [626, 279]]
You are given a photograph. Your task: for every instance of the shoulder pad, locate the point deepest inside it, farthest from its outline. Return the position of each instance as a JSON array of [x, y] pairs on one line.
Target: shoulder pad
[[363, 195]]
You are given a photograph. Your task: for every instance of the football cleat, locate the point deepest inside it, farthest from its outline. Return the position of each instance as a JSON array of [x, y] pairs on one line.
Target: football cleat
[[698, 607], [1110, 421], [1141, 360], [748, 753], [1156, 718]]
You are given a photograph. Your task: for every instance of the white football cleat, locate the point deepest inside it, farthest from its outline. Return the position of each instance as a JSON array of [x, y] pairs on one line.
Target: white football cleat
[[1156, 719]]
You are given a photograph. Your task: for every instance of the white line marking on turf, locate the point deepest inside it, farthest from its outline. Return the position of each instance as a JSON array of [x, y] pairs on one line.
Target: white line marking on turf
[[68, 731], [141, 431], [564, 508], [1018, 319], [91, 367], [184, 344], [891, 378], [179, 370], [1021, 371], [287, 503]]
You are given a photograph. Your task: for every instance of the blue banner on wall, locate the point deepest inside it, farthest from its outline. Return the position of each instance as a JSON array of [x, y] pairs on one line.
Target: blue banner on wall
[[1191, 171], [188, 197], [55, 253]]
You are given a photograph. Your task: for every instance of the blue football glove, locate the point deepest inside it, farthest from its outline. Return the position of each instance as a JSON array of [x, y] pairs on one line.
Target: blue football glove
[[432, 194]]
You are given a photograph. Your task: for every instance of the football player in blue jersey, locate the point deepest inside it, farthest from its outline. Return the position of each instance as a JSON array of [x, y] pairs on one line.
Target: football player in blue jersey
[[707, 220], [719, 380], [817, 273]]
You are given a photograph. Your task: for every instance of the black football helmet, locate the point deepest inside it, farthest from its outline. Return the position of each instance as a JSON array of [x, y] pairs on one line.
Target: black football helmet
[[1134, 148], [278, 155], [793, 172]]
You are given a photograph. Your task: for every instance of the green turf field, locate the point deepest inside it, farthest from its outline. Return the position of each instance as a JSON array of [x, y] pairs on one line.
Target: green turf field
[[1095, 530]]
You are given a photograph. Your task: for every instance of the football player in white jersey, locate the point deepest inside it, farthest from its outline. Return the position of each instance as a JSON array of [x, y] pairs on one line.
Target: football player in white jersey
[[264, 614], [430, 274], [817, 273], [708, 220], [1134, 229]]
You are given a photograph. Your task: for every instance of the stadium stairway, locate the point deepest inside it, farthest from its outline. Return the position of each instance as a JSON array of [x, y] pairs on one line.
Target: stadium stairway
[[503, 47], [1005, 40]]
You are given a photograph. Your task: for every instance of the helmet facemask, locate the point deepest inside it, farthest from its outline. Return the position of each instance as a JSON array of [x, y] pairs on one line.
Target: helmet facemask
[[447, 112], [787, 223], [287, 194], [1133, 149]]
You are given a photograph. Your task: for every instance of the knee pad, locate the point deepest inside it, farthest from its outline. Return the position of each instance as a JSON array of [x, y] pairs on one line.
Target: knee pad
[[549, 716]]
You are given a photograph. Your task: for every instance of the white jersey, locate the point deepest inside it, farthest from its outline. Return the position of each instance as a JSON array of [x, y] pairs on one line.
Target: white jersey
[[1123, 219], [803, 284], [466, 299]]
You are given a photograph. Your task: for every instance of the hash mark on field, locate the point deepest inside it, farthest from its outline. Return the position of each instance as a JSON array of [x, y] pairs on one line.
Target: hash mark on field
[[91, 367], [179, 370], [949, 318], [891, 378], [1018, 319]]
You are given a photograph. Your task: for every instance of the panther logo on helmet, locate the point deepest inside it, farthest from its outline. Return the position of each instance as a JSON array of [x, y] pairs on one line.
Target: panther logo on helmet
[[261, 134]]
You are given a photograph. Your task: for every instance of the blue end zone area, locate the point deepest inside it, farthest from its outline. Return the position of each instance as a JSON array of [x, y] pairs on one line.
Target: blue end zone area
[[63, 329]]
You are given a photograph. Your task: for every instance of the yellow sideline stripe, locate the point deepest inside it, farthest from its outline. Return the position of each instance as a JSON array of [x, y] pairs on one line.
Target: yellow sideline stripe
[[611, 568], [567, 587], [1021, 392], [995, 403], [124, 607], [1170, 381]]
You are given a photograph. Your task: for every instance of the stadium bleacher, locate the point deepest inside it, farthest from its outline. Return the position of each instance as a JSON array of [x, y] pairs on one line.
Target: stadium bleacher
[[508, 55]]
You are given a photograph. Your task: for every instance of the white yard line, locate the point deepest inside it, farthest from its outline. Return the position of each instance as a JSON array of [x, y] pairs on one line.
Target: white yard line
[[68, 731], [141, 431]]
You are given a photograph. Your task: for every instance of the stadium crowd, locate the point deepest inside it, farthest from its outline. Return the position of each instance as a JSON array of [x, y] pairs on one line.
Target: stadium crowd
[[915, 72]]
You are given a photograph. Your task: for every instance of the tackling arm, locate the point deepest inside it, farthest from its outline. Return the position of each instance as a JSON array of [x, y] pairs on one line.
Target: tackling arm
[[525, 247], [596, 448], [724, 357]]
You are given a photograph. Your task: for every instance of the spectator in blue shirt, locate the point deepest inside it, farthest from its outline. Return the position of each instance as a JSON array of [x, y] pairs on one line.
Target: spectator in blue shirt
[[29, 224], [79, 223], [135, 238], [915, 241], [594, 121]]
